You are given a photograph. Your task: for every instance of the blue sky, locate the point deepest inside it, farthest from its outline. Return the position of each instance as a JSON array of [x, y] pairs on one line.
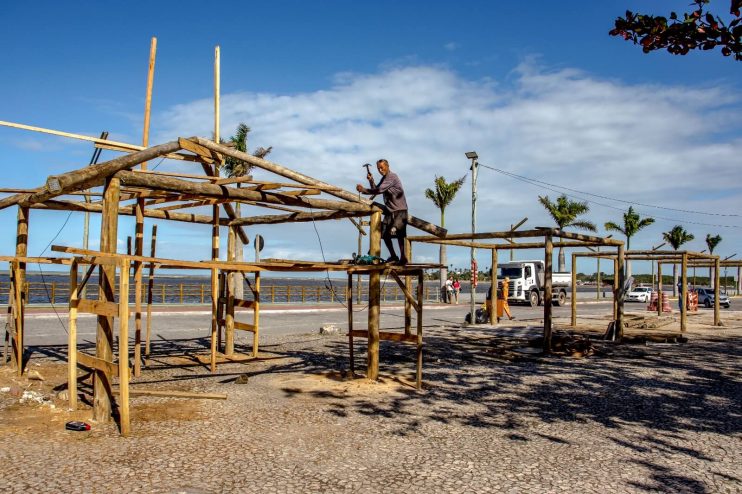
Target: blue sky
[[538, 89]]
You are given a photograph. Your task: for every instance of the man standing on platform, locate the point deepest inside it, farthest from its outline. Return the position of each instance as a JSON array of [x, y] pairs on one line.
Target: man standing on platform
[[394, 223]]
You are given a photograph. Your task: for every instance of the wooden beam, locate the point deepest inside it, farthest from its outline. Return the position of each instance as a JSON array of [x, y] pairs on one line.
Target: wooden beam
[[374, 300], [127, 211], [307, 180], [217, 191], [548, 263], [295, 218]]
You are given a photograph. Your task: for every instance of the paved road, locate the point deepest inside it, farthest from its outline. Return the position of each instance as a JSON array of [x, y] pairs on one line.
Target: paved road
[[45, 327]]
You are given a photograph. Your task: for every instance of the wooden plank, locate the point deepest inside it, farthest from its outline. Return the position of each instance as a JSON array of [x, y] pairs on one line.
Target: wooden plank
[[245, 304], [244, 326], [548, 260], [408, 296], [374, 300], [349, 300], [124, 371], [150, 288], [205, 154], [177, 394], [97, 307], [387, 336], [296, 217], [96, 363]]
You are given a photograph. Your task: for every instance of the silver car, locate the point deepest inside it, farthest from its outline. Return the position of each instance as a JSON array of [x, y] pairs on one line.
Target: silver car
[[706, 297]]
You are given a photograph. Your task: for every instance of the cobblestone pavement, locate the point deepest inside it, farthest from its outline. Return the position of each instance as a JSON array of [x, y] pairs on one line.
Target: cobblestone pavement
[[634, 418]]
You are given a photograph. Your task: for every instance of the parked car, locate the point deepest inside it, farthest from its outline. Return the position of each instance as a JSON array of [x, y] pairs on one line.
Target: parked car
[[706, 297], [639, 294]]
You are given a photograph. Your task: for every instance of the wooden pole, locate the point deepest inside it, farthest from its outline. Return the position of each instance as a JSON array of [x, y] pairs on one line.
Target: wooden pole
[[72, 339], [620, 295], [492, 309], [139, 213], [615, 289], [683, 294], [548, 257], [19, 279], [717, 320], [573, 295], [349, 290], [123, 350], [374, 300], [150, 287], [231, 283], [420, 283], [408, 286], [256, 316], [659, 288], [215, 227], [102, 382]]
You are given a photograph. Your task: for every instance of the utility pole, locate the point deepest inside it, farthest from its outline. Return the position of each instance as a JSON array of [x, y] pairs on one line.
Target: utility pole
[[472, 155]]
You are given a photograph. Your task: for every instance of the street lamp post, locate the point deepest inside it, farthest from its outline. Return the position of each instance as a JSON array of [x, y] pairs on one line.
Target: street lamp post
[[472, 155], [655, 248]]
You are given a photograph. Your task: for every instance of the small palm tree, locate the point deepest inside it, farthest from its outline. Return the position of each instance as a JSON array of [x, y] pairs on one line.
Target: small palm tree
[[632, 223], [442, 196], [711, 243], [564, 213], [676, 237], [236, 168]]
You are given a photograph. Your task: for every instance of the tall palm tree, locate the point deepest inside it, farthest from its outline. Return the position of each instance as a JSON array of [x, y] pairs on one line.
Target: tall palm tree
[[632, 223], [564, 213], [676, 237], [442, 195], [711, 243], [236, 168]]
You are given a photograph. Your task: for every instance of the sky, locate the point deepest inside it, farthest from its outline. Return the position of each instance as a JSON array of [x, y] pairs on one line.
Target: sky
[[547, 99]]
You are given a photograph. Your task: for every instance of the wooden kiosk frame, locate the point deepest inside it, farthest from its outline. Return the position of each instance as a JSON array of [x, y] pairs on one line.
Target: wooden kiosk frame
[[565, 239]]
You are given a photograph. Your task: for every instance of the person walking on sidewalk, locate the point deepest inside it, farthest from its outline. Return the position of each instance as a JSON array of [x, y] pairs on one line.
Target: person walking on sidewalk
[[449, 290], [456, 290]]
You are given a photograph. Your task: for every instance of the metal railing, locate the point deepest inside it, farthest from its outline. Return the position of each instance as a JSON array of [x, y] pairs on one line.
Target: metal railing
[[58, 292]]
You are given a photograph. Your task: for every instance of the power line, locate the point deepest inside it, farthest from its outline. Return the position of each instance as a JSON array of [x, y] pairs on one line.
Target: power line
[[513, 175], [539, 183]]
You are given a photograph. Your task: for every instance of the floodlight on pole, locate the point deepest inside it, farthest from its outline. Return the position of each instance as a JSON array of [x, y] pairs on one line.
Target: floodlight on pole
[[473, 156]]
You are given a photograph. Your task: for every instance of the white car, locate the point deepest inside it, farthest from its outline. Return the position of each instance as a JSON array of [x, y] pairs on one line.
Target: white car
[[639, 294]]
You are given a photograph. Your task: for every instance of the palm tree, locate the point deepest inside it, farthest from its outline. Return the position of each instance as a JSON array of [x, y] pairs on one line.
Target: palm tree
[[676, 237], [632, 223], [442, 196], [564, 213], [236, 168], [711, 243]]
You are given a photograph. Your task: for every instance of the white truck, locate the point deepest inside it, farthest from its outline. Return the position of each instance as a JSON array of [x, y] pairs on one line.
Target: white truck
[[527, 282]]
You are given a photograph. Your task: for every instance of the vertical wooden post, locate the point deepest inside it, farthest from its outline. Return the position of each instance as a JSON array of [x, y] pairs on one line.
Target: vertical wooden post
[[350, 324], [420, 283], [215, 214], [717, 265], [548, 261], [620, 274], [407, 254], [573, 294], [139, 229], [102, 394], [123, 361], [150, 289], [256, 315], [231, 283], [374, 300], [72, 339], [19, 279], [659, 289], [492, 309], [684, 293], [615, 288]]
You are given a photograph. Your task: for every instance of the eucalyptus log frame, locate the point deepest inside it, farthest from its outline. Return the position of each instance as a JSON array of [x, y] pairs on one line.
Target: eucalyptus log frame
[[567, 239]]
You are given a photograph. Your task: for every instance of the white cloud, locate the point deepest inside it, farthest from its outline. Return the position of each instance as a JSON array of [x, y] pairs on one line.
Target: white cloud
[[646, 143]]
